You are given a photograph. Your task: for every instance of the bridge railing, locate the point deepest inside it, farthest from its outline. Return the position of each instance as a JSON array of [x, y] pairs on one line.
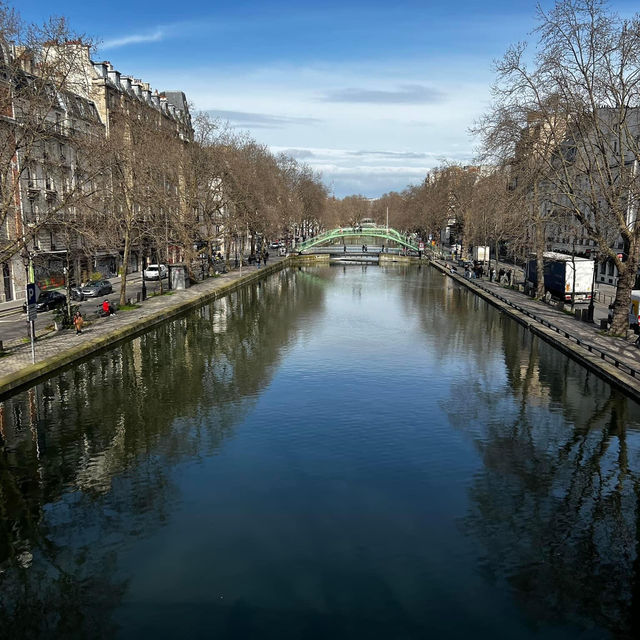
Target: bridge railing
[[350, 232]]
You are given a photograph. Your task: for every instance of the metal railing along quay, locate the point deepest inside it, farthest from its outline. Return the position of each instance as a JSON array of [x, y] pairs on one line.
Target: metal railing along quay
[[604, 354]]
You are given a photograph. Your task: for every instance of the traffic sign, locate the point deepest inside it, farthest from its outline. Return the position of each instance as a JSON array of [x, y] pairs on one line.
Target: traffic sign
[[33, 291]]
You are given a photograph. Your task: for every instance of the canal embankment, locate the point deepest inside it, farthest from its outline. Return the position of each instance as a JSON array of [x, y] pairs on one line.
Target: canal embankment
[[615, 359], [59, 349]]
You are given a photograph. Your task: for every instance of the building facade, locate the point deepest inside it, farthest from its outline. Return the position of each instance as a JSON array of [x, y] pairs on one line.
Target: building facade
[[59, 197]]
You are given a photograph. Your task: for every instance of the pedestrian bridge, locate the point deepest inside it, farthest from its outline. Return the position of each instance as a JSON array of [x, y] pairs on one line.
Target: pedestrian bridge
[[339, 235]]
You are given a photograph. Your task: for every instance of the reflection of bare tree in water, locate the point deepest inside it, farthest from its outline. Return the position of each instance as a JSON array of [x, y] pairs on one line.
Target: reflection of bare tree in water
[[556, 508], [453, 318], [86, 456]]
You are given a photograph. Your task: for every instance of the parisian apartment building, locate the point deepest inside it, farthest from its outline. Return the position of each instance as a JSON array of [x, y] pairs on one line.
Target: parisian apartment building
[[52, 175]]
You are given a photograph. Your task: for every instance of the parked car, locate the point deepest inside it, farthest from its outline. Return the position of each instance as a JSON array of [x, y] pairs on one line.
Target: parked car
[[48, 300], [156, 272], [274, 245], [96, 289]]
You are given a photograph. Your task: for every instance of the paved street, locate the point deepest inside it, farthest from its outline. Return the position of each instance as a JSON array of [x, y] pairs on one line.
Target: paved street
[[13, 321]]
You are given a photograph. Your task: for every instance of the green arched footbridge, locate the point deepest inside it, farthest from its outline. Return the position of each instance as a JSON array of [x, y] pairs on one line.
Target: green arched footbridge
[[333, 235]]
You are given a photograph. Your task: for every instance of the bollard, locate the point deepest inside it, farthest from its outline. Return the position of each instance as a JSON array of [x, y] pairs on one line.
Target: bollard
[[604, 324], [138, 296], [1, 347], [578, 314]]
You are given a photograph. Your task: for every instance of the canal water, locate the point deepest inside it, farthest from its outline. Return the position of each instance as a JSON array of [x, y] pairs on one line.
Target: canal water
[[336, 452]]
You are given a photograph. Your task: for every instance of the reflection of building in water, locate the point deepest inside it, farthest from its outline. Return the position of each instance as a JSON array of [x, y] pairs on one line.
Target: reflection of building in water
[[219, 313], [88, 452], [556, 503]]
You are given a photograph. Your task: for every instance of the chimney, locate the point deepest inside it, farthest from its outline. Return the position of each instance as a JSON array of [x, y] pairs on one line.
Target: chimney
[[101, 69], [114, 76]]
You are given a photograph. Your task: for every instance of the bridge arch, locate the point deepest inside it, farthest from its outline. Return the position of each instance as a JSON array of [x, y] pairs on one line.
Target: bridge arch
[[341, 233]]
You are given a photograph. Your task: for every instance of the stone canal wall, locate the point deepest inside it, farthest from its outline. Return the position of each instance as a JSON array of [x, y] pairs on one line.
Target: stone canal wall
[[616, 360], [61, 349]]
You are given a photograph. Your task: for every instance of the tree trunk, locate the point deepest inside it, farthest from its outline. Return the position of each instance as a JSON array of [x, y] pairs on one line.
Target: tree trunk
[[573, 284], [125, 265], [227, 249], [626, 280], [540, 231], [540, 259], [68, 267]]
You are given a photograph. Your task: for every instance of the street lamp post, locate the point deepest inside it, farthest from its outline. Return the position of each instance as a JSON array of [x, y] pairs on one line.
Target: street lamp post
[[144, 285]]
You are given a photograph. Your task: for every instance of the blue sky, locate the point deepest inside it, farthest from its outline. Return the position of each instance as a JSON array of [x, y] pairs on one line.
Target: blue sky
[[372, 94]]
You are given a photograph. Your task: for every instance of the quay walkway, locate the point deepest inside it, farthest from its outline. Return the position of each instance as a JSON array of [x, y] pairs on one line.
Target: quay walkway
[[616, 359], [57, 349]]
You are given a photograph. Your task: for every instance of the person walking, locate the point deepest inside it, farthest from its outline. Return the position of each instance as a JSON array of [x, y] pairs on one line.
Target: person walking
[[265, 257], [78, 322], [258, 259]]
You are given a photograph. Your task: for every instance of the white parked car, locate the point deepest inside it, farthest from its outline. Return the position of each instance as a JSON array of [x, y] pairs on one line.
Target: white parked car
[[156, 272]]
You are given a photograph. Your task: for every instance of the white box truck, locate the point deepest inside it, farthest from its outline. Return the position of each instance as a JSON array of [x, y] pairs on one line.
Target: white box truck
[[559, 276], [481, 254]]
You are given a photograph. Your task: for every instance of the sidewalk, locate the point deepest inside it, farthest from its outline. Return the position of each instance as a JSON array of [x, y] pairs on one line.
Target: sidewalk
[[59, 348], [616, 359]]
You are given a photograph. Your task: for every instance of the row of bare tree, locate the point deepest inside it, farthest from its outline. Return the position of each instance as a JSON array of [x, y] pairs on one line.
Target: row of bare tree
[[560, 151], [127, 177]]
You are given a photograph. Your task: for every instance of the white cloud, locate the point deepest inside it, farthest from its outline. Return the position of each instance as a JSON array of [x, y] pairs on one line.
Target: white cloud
[[123, 41], [355, 144]]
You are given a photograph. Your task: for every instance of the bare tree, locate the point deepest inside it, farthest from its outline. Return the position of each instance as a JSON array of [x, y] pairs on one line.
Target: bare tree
[[583, 88], [49, 169]]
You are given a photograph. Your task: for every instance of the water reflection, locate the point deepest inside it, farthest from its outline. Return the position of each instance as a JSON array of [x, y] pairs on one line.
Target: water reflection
[[358, 451], [125, 417], [556, 506]]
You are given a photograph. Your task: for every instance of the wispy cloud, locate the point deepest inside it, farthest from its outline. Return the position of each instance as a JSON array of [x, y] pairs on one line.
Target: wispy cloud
[[260, 120], [370, 172], [392, 155], [154, 36], [404, 94], [299, 154]]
